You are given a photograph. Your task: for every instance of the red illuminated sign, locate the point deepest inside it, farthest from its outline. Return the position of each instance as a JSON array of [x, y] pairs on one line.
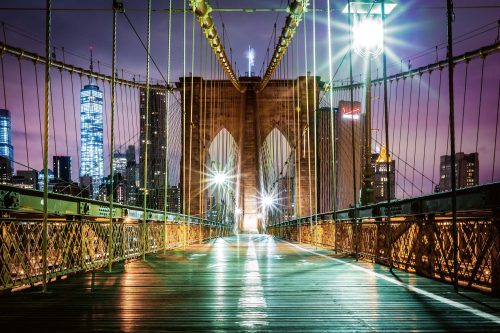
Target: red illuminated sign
[[345, 108]]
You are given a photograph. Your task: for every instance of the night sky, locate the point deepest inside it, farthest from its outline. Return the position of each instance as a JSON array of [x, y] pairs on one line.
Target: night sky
[[414, 26]]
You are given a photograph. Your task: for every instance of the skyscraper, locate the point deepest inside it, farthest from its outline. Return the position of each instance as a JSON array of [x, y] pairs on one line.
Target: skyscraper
[[62, 168], [379, 172], [120, 163], [5, 170], [347, 157], [157, 147], [26, 179], [91, 123], [325, 171], [131, 176], [467, 171], [6, 148]]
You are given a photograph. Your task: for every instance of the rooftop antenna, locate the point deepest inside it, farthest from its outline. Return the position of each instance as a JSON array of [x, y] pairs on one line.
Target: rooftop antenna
[[91, 59], [91, 63], [251, 58]]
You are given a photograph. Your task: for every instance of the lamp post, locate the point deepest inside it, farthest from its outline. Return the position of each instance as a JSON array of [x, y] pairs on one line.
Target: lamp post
[[219, 180], [368, 38], [268, 203]]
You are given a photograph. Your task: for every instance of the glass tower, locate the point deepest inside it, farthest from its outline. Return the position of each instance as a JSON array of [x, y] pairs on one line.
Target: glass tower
[[91, 134], [6, 149]]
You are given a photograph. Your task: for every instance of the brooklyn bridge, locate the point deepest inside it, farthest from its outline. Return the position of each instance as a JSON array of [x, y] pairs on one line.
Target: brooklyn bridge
[[211, 165]]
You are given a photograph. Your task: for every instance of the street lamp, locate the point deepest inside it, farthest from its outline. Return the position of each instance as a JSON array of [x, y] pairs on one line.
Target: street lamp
[[368, 41]]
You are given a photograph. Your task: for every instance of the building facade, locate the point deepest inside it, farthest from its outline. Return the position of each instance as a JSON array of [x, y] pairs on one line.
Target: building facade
[[326, 189], [62, 168], [6, 148], [467, 171], [348, 157], [91, 129], [156, 145], [381, 177], [131, 176]]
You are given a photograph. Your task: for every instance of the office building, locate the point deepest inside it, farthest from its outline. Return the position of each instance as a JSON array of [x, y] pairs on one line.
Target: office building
[[50, 180], [174, 199], [62, 168], [349, 159], [5, 170], [157, 147], [119, 163], [91, 145], [6, 148], [131, 176], [466, 167], [324, 159], [27, 179], [380, 176]]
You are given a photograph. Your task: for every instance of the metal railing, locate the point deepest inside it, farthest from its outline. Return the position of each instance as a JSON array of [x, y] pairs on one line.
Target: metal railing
[[418, 237], [78, 235]]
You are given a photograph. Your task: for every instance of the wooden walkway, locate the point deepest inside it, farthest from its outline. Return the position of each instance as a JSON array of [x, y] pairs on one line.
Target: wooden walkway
[[250, 283]]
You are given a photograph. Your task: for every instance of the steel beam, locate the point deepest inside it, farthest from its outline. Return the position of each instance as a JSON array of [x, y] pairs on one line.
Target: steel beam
[[202, 11], [295, 11], [36, 58]]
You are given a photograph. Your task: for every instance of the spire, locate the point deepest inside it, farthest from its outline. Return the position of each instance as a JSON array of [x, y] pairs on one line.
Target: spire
[[91, 59], [384, 155]]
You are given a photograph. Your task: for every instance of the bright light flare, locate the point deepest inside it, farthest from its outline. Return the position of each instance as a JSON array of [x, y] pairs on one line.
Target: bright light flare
[[368, 36], [267, 200], [220, 178], [251, 59], [238, 211]]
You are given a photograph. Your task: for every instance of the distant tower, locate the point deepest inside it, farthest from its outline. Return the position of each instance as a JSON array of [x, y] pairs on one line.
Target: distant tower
[[91, 129], [156, 147], [62, 168], [6, 148], [467, 171], [379, 164]]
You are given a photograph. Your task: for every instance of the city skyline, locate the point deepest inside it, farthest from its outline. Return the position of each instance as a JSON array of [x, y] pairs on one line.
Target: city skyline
[[128, 104]]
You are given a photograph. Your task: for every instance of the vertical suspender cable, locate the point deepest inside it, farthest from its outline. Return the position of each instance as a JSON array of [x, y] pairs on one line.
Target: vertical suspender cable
[[3, 70], [191, 124], [386, 120], [112, 139], [450, 19], [146, 135], [425, 131], [437, 121], [74, 118], [332, 127], [39, 109], [315, 106], [480, 103], [464, 102], [183, 167], [413, 166], [64, 104], [496, 135], [24, 114], [167, 113], [48, 56], [352, 131]]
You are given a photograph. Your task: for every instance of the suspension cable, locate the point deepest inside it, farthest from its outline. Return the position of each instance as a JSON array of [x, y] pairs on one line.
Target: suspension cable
[[146, 131], [480, 103], [24, 113]]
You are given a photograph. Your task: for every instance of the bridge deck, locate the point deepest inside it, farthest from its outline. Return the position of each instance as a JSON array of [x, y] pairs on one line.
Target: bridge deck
[[250, 283]]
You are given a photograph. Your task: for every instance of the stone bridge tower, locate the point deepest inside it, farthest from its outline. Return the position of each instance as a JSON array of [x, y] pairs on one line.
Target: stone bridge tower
[[249, 116]]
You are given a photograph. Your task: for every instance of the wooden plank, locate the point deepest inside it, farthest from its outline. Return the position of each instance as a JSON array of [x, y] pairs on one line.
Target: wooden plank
[[247, 283]]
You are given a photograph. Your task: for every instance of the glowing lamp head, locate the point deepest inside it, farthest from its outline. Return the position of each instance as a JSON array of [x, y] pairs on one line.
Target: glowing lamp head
[[267, 200], [368, 36], [220, 178], [238, 211]]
